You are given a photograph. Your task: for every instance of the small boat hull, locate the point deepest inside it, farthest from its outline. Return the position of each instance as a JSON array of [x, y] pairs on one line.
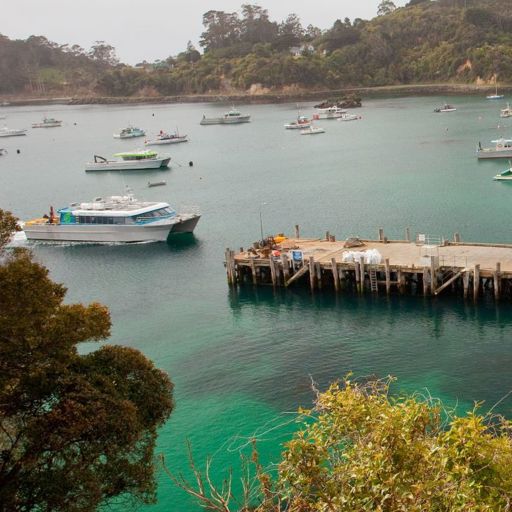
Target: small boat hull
[[173, 140], [296, 126], [154, 232], [484, 154], [12, 133], [312, 131], [47, 125], [128, 165], [221, 120]]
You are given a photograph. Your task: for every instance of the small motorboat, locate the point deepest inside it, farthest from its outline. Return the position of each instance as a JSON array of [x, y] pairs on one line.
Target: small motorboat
[[232, 117], [506, 175], [129, 133], [445, 108], [48, 122], [506, 112], [502, 149], [12, 132], [333, 112], [157, 183], [299, 124], [129, 161], [349, 117], [312, 130], [166, 138]]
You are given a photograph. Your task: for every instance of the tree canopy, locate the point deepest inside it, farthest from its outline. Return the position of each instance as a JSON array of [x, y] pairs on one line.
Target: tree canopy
[[426, 41], [75, 430], [362, 449]]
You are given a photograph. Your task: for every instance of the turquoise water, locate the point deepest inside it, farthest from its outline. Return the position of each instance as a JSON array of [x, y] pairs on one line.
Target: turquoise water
[[242, 360]]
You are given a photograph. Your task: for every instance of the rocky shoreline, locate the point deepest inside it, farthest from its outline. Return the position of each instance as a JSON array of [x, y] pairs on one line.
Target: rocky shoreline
[[282, 97]]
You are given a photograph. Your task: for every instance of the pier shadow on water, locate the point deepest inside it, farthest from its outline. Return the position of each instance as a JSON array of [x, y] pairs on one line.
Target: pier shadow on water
[[458, 351]]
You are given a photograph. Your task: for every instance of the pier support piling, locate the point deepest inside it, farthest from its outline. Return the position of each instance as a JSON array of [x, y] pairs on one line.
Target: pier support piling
[[312, 273], [335, 275], [476, 282], [497, 282]]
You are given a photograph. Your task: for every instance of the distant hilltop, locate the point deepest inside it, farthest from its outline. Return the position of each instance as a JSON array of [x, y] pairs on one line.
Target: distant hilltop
[[246, 54]]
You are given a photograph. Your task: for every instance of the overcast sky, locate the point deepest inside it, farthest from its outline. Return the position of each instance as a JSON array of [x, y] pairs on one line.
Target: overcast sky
[[153, 29]]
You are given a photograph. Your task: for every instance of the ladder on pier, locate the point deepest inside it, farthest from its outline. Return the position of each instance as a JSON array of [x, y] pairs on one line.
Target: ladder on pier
[[374, 287]]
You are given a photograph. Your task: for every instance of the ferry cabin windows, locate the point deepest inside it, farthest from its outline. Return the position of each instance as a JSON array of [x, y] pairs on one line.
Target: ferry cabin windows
[[141, 218], [154, 215], [89, 219]]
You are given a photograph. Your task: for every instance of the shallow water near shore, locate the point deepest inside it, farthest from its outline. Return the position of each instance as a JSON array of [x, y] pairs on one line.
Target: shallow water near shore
[[241, 360]]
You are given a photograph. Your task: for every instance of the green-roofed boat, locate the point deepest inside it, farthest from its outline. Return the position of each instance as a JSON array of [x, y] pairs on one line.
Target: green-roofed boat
[[129, 161]]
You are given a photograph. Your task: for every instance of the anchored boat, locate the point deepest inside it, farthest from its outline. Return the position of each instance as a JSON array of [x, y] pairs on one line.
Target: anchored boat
[[231, 117], [502, 149], [111, 219], [333, 112], [166, 138], [129, 161], [506, 112], [12, 132], [48, 122], [445, 108], [129, 133], [299, 124], [312, 130]]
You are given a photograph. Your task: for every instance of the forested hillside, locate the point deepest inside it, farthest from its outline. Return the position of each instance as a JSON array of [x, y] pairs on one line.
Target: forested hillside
[[427, 41]]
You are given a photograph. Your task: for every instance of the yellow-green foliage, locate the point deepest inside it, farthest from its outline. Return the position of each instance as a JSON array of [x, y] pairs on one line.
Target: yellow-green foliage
[[361, 450]]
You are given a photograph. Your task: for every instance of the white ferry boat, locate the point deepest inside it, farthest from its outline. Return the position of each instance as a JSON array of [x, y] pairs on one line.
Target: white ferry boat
[[48, 122], [129, 161], [231, 117], [112, 219]]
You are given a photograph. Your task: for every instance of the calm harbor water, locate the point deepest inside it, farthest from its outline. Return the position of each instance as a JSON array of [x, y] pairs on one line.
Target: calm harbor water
[[241, 360]]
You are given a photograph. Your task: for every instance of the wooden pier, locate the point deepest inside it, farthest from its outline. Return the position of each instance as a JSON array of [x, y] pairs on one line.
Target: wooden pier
[[419, 267]]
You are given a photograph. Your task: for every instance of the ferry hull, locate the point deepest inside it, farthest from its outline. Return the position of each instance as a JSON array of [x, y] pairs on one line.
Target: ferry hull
[[129, 165], [156, 232]]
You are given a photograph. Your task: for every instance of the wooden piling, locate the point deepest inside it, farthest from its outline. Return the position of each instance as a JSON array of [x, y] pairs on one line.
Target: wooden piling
[[286, 267], [433, 275], [357, 272], [253, 272], [465, 283], [327, 236], [425, 281], [381, 234], [400, 279], [476, 282], [456, 238], [388, 276], [297, 231], [273, 272], [312, 273], [335, 276], [318, 269], [227, 255], [497, 282], [407, 234], [361, 275]]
